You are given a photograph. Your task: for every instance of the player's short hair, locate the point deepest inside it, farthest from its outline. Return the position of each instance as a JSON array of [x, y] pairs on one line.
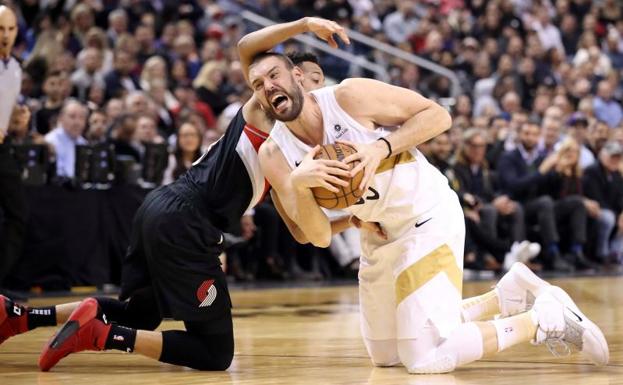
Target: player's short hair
[[300, 57], [263, 55]]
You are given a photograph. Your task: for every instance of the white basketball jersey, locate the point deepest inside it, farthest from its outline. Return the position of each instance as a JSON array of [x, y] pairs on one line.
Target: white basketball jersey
[[404, 186]]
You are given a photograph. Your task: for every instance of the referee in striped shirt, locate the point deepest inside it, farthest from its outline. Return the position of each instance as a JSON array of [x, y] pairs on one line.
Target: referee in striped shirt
[[12, 202]]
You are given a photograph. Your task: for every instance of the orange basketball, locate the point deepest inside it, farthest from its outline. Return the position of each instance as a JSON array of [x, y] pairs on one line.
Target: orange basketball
[[348, 195]]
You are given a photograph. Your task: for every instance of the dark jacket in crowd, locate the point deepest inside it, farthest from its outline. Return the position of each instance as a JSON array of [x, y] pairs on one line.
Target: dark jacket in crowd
[[481, 184], [604, 187], [517, 179]]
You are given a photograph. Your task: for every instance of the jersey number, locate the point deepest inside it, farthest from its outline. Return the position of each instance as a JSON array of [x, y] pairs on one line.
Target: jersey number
[[373, 197]]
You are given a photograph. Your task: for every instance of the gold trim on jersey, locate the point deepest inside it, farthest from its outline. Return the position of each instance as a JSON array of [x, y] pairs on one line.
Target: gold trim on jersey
[[391, 162], [415, 276]]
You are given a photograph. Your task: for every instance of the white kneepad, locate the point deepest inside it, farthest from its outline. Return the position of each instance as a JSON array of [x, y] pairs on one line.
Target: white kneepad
[[432, 361]]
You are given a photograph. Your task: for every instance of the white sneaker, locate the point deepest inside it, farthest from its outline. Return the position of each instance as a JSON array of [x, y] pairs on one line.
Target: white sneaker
[[521, 252], [518, 289], [579, 333]]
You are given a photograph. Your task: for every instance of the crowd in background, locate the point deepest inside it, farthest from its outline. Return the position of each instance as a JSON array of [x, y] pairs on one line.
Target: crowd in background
[[535, 150]]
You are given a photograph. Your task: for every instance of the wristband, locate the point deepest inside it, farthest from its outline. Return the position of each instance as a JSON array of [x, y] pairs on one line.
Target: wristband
[[389, 147]]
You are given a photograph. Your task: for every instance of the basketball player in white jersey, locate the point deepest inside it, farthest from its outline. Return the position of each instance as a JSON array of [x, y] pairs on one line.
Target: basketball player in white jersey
[[410, 283]]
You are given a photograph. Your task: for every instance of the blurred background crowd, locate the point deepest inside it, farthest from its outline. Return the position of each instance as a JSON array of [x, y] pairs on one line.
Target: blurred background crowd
[[535, 150]]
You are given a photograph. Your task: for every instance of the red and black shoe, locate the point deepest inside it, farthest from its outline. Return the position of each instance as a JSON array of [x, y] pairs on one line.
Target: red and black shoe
[[85, 329], [13, 319]]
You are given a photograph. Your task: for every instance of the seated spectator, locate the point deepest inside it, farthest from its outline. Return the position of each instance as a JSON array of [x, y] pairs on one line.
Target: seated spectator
[[146, 132], [88, 72], [519, 178], [603, 184], [45, 118], [97, 128], [476, 186], [120, 80], [67, 134], [578, 130], [440, 151], [122, 137], [208, 85], [598, 135], [605, 107], [187, 150], [551, 135], [17, 131], [562, 181]]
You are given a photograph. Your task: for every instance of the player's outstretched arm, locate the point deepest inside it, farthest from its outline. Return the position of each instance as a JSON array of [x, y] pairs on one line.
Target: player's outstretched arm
[[374, 103], [267, 38], [293, 188]]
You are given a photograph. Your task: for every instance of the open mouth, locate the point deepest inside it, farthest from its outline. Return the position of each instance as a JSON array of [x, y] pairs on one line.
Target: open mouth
[[278, 101]]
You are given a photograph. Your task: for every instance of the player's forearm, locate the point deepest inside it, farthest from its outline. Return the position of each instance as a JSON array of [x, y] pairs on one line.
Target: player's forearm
[[267, 38], [340, 224], [310, 218], [418, 129]]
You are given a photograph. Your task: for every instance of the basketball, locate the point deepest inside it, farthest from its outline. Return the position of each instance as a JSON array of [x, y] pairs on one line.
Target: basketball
[[348, 195]]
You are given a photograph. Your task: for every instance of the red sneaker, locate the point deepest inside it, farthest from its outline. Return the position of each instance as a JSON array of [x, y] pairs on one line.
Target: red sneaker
[[13, 319], [82, 331]]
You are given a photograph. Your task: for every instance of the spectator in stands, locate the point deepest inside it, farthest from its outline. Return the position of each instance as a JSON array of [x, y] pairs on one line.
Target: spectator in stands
[[45, 118], [146, 132], [401, 24], [67, 134], [121, 80], [122, 138], [88, 72], [137, 103], [605, 107], [603, 184], [208, 86], [578, 130], [519, 177], [562, 181], [440, 152], [598, 135], [117, 24], [476, 186], [187, 150], [551, 129], [96, 131]]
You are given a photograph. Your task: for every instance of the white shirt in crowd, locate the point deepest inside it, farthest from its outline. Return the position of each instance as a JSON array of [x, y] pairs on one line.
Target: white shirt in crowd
[[10, 88], [65, 147]]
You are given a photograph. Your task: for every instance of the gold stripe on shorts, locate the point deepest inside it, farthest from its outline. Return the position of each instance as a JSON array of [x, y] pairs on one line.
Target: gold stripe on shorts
[[391, 162], [415, 276]]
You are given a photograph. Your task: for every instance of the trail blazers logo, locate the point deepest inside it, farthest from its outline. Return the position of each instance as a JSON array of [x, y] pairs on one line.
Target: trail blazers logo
[[206, 294]]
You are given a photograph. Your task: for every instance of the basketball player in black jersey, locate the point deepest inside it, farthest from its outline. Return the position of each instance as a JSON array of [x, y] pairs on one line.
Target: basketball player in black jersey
[[172, 269]]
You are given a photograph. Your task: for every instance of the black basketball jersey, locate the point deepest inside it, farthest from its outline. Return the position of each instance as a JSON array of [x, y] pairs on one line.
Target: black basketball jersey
[[227, 178]]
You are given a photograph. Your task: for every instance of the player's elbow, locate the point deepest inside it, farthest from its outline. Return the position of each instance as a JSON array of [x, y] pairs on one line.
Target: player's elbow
[[320, 238]]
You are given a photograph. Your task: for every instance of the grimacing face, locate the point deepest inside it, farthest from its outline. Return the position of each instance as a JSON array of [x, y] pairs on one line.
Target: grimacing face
[[277, 88]]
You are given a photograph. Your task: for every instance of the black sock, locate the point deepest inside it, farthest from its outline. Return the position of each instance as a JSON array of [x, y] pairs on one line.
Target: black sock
[[41, 316], [121, 338]]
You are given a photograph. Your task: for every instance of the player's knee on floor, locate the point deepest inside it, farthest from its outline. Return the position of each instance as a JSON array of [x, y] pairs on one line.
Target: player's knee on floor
[[383, 352], [421, 359], [213, 352]]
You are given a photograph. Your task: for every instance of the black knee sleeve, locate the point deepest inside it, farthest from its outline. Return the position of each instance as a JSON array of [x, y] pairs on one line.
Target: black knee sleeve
[[198, 350], [139, 312]]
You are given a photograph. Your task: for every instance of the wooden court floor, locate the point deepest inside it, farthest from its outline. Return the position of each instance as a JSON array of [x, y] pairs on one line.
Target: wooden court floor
[[311, 336]]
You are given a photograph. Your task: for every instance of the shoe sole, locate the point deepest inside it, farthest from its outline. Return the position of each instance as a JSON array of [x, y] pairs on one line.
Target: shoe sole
[[51, 354], [592, 332]]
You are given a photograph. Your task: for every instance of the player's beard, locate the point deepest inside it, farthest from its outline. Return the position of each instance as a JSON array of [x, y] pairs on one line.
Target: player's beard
[[295, 95]]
